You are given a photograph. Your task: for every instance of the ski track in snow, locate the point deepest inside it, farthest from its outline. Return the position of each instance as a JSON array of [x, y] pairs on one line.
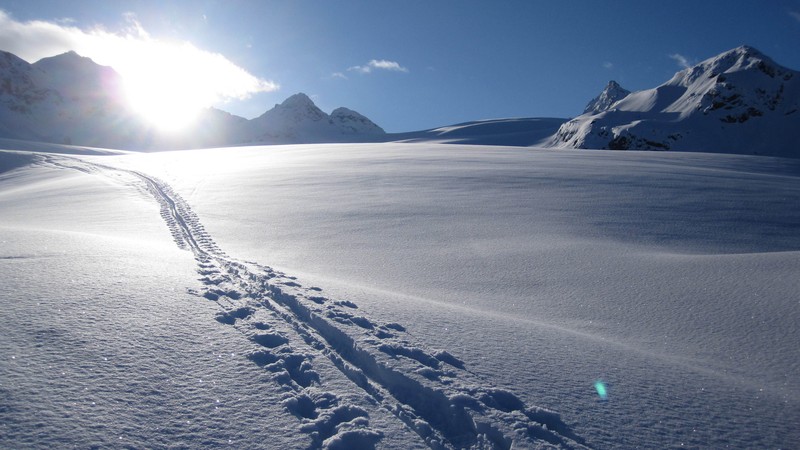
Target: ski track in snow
[[430, 391]]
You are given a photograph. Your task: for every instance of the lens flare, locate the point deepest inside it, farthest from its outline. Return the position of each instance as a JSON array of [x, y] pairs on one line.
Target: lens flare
[[600, 387]]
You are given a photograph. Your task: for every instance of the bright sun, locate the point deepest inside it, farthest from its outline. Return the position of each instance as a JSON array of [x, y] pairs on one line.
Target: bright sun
[[170, 83], [168, 88], [165, 104]]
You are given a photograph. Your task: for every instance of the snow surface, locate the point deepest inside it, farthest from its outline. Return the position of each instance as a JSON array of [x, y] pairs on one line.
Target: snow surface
[[520, 132], [400, 296]]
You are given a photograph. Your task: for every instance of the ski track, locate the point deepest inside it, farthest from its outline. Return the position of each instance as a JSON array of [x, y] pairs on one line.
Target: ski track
[[430, 391]]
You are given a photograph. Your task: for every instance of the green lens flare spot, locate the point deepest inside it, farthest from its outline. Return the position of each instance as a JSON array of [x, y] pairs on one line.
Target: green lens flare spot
[[600, 387]]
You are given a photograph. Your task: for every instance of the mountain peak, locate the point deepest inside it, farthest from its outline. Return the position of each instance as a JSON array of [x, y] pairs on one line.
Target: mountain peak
[[299, 99], [9, 60], [74, 75], [298, 119], [611, 94], [746, 51], [69, 59], [743, 56], [740, 59]]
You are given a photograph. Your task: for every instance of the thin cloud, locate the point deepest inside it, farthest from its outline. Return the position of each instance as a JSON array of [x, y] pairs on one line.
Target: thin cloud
[[378, 64], [608, 65], [681, 60], [129, 50], [339, 75], [795, 14]]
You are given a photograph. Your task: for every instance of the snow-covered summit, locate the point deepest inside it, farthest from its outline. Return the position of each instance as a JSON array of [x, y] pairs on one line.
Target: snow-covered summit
[[737, 102], [298, 120], [299, 107], [612, 93], [73, 75], [735, 60]]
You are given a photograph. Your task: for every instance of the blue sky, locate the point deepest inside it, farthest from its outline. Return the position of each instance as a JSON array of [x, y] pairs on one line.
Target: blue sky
[[440, 62]]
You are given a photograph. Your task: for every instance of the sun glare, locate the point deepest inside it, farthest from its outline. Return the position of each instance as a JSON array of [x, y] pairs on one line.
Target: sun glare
[[164, 103], [167, 86], [169, 83]]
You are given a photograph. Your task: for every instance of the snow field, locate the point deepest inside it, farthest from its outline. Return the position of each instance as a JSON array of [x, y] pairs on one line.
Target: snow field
[[450, 296], [669, 275], [102, 346]]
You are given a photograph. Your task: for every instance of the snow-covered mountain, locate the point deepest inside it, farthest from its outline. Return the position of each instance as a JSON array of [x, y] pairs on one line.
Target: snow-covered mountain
[[66, 99], [69, 99], [738, 102], [612, 93], [299, 120]]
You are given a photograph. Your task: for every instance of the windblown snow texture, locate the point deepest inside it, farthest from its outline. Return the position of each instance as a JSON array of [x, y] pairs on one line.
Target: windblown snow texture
[[298, 328], [491, 279]]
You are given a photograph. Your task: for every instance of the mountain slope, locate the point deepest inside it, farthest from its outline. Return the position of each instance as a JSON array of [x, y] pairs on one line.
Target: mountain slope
[[24, 96], [738, 102], [522, 132]]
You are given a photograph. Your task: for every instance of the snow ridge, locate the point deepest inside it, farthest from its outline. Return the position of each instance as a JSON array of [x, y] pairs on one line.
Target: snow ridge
[[297, 332]]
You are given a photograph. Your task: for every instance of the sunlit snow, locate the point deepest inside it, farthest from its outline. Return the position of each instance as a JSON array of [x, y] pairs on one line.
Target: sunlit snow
[[399, 296]]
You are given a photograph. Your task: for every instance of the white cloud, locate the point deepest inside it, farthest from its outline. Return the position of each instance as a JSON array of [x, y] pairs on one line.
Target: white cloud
[[339, 75], [132, 52], [795, 14], [378, 64], [681, 60], [608, 65]]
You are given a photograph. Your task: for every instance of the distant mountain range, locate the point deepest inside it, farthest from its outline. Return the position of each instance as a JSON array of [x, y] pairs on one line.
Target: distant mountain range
[[737, 102], [69, 99]]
